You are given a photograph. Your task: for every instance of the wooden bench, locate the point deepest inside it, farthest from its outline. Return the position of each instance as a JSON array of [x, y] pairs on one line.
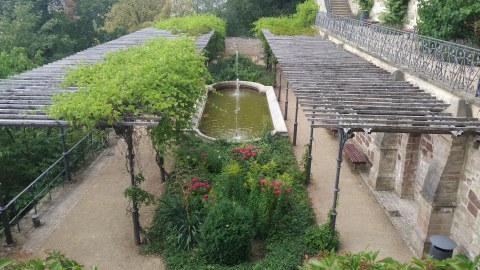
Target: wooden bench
[[354, 155], [333, 130]]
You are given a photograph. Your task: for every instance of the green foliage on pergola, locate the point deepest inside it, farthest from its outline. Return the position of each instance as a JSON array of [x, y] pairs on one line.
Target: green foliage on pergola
[[163, 77]]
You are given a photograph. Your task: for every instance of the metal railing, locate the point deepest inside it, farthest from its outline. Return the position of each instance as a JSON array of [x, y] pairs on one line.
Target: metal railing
[[328, 6], [453, 64], [54, 175]]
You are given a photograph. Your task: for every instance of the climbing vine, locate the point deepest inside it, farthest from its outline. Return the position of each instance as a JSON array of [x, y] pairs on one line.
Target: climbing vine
[[396, 12], [164, 76]]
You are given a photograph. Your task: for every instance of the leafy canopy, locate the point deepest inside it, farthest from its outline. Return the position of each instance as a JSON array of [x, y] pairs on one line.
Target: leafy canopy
[[133, 14], [297, 24], [450, 19], [193, 24], [163, 76], [198, 24]]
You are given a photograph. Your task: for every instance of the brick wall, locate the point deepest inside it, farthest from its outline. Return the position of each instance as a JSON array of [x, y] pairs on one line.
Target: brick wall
[[249, 46], [466, 220]]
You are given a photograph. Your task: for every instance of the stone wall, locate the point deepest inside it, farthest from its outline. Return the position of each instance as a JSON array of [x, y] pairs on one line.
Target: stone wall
[[249, 46], [440, 174], [466, 219]]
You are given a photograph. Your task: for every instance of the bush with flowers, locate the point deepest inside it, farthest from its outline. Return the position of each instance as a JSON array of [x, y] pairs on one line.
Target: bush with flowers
[[260, 179]]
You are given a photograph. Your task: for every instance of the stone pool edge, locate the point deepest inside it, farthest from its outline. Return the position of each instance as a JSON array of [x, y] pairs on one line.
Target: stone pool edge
[[279, 126]]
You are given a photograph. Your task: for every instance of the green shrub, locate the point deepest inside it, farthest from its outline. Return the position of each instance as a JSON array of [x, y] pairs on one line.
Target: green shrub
[[224, 70], [55, 260], [177, 221], [396, 12], [365, 5], [297, 24], [322, 238], [230, 184], [283, 245], [227, 234], [368, 260], [196, 25], [450, 19]]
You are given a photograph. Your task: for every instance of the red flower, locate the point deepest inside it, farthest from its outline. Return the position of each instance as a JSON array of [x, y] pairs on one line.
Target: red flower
[[207, 187], [205, 197], [277, 191], [195, 179]]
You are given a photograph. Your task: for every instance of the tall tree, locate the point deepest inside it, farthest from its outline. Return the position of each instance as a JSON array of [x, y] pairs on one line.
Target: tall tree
[[240, 14], [132, 14]]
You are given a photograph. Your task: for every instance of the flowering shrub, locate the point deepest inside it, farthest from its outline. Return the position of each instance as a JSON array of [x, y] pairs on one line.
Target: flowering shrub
[[257, 194], [243, 153], [199, 188], [267, 200]]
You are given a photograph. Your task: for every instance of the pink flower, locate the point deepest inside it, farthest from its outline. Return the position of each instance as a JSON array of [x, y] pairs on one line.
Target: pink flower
[[207, 187], [205, 197], [254, 154], [277, 191], [204, 154], [288, 190], [195, 179], [261, 181], [274, 182]]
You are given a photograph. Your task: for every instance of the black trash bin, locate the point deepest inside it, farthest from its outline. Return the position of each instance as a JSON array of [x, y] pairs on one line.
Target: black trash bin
[[442, 247]]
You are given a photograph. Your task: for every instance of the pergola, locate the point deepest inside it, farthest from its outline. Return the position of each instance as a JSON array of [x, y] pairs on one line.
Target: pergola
[[343, 92], [23, 96]]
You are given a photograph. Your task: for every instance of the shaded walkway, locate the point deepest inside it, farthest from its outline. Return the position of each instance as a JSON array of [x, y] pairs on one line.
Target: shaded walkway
[[93, 226], [362, 222]]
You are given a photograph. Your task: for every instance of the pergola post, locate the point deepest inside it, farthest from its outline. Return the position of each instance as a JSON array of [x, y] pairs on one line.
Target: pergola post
[[274, 74], [134, 210], [6, 227], [477, 92], [309, 158], [295, 124], [279, 85], [66, 163], [343, 136], [286, 103]]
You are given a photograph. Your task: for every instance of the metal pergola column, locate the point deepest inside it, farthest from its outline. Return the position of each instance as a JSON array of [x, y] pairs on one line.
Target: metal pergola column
[[309, 158], [286, 103], [295, 124], [343, 136], [134, 210], [66, 163], [279, 84], [6, 227]]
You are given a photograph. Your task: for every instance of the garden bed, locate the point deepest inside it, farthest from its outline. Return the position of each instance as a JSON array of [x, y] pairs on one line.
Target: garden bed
[[233, 206]]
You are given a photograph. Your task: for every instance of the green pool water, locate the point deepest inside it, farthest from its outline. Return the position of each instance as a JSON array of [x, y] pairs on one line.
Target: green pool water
[[218, 120]]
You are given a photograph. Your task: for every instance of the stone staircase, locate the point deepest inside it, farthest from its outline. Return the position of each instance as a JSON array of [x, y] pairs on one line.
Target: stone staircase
[[341, 7]]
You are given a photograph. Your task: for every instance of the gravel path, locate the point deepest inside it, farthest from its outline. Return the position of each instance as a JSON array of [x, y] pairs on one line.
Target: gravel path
[[92, 225]]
